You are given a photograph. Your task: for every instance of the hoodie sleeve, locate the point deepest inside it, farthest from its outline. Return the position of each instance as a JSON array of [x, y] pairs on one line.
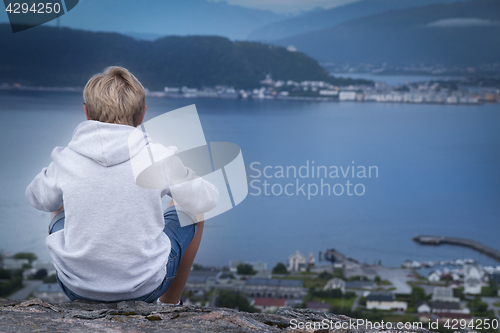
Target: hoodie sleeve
[[191, 192], [43, 192]]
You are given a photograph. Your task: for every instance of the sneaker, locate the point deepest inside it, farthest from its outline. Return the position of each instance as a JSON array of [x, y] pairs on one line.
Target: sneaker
[[178, 304]]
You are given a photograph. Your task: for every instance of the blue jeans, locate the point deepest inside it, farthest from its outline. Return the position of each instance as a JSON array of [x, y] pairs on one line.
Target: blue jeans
[[180, 238]]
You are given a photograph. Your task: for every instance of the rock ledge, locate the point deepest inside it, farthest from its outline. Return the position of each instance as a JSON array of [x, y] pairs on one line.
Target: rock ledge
[[78, 316]]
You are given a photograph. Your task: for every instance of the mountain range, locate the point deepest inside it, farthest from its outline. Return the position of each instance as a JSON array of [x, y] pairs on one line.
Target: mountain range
[[49, 56], [317, 20], [156, 18], [396, 32], [452, 34]]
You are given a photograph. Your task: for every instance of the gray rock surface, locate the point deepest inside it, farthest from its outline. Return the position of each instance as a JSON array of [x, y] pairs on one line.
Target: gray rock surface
[[78, 316]]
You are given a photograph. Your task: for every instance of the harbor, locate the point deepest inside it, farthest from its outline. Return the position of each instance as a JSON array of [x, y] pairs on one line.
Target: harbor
[[438, 240]]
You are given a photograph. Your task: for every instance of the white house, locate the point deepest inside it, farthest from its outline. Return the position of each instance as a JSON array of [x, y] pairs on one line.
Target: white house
[[444, 294], [328, 92], [297, 262], [347, 96], [49, 266], [259, 266], [274, 288], [14, 264], [384, 301], [449, 307], [472, 280], [434, 277], [335, 283], [311, 260], [423, 307]]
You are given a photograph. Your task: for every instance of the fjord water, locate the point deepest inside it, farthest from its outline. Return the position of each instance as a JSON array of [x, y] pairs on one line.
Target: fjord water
[[438, 173]]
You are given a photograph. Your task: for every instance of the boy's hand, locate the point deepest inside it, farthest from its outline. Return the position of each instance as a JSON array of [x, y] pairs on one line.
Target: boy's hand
[[200, 217], [172, 203], [56, 212]]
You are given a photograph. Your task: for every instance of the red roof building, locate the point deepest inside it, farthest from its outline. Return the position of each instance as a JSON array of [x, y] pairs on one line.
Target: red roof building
[[268, 304]]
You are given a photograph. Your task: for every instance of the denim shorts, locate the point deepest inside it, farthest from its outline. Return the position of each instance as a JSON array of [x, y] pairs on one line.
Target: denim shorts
[[180, 238]]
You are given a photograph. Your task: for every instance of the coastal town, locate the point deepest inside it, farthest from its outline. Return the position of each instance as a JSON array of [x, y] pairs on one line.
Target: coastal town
[[446, 92], [433, 92], [453, 291]]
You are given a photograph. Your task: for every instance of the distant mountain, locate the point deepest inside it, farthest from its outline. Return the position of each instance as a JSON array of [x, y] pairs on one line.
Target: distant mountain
[[48, 56], [327, 18], [462, 34], [166, 17]]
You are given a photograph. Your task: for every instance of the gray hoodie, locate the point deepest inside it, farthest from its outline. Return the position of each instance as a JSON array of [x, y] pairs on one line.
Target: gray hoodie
[[112, 246]]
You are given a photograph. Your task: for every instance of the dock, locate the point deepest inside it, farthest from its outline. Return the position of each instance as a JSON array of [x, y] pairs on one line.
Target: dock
[[437, 240]]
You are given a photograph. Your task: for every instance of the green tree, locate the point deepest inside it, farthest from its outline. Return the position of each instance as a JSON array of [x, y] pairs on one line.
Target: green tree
[[325, 276], [477, 306], [234, 300], [245, 269], [280, 268], [332, 293], [417, 294], [12, 285], [40, 274], [50, 279], [357, 278], [5, 274], [457, 292], [26, 255], [493, 287]]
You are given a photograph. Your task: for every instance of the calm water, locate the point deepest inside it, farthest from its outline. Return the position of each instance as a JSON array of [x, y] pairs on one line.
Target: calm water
[[392, 80], [437, 174]]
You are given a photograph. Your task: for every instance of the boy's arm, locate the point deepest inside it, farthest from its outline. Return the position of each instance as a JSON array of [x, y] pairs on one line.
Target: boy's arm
[[43, 193], [191, 192]]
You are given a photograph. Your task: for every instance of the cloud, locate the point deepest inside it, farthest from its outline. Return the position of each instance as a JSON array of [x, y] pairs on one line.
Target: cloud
[[462, 22]]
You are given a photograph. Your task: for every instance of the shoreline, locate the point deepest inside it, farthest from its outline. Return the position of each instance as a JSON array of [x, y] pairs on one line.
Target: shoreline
[[390, 98]]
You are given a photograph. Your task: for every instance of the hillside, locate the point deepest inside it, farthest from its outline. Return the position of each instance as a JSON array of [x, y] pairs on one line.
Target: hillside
[[324, 19], [49, 56], [461, 34], [162, 18]]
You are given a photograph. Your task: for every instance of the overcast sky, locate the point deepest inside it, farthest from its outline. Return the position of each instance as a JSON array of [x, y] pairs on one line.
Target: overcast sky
[[288, 6]]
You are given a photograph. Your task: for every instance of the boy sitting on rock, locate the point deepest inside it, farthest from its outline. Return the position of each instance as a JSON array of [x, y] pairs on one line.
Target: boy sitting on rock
[[111, 240]]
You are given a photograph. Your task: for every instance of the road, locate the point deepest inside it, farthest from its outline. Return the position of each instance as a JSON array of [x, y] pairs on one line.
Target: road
[[29, 287], [356, 302], [397, 276]]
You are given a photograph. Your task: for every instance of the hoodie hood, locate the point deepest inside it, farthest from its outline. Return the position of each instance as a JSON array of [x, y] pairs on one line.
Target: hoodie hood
[[107, 144]]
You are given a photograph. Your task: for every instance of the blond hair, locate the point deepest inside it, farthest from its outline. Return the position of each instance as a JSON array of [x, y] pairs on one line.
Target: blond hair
[[115, 96]]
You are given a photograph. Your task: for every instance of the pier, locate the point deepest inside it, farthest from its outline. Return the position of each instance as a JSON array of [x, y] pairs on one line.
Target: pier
[[437, 240]]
